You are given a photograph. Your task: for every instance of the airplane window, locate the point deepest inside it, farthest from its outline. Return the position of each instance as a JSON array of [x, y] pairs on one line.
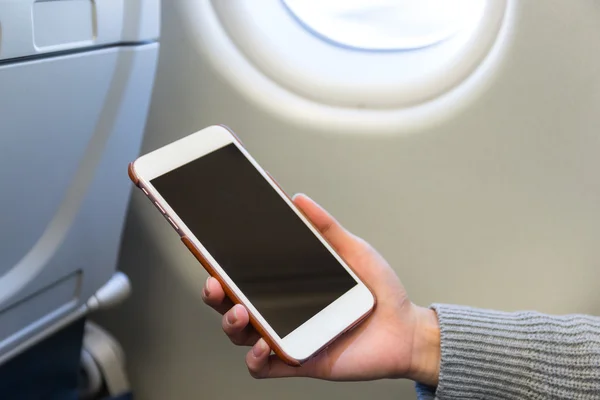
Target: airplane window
[[386, 24], [354, 63]]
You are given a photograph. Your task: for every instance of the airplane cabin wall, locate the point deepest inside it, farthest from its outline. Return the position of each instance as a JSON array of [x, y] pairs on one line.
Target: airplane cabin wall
[[495, 204]]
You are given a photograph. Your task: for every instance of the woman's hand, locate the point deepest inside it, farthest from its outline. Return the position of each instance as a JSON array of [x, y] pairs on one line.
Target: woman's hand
[[399, 340]]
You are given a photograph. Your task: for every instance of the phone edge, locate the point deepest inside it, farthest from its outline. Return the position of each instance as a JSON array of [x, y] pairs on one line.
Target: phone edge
[[231, 294], [211, 271]]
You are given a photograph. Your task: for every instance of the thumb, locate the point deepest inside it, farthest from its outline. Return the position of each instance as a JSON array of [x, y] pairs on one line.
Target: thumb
[[366, 262], [346, 244]]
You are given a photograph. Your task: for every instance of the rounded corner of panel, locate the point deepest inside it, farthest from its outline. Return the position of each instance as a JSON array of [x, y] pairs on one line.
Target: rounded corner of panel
[[370, 297], [293, 360], [222, 126], [131, 171]]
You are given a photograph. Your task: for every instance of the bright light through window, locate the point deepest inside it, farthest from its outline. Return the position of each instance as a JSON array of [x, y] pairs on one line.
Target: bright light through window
[[386, 24]]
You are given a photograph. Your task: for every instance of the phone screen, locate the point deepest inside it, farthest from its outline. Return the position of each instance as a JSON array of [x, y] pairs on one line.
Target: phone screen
[[258, 240]]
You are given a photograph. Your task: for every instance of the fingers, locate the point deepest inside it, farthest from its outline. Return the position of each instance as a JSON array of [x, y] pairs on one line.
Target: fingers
[[235, 321], [261, 364], [236, 325], [214, 295], [343, 241]]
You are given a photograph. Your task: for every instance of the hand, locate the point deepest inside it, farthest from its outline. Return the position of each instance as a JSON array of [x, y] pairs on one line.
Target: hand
[[399, 340]]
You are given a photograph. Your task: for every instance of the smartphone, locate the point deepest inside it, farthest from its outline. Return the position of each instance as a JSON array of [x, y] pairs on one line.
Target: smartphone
[[248, 234]]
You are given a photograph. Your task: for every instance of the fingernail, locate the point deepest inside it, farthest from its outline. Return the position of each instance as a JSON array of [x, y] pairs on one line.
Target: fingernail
[[296, 195], [232, 316], [206, 291], [259, 348]]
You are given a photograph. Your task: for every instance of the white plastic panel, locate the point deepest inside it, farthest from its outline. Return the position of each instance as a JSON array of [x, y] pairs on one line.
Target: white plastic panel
[[70, 125], [57, 23], [30, 27], [141, 20]]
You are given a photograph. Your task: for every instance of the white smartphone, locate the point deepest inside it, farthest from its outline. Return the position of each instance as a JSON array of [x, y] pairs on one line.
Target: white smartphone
[[247, 233]]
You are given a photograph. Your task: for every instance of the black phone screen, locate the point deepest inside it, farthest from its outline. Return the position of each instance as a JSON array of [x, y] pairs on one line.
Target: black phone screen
[[258, 240]]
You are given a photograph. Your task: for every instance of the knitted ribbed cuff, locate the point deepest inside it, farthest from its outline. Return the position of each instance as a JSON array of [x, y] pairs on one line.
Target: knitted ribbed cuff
[[524, 355]]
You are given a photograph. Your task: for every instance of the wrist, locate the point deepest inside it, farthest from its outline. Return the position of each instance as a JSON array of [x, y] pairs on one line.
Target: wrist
[[426, 349]]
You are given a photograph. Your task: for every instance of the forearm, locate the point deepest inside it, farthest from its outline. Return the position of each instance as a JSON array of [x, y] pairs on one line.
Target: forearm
[[488, 354]]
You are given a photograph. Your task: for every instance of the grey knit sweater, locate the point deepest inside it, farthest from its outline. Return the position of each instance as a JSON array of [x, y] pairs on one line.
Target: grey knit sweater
[[523, 355]]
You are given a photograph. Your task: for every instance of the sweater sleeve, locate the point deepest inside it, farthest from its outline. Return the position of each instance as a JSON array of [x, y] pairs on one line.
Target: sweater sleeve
[[522, 355]]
